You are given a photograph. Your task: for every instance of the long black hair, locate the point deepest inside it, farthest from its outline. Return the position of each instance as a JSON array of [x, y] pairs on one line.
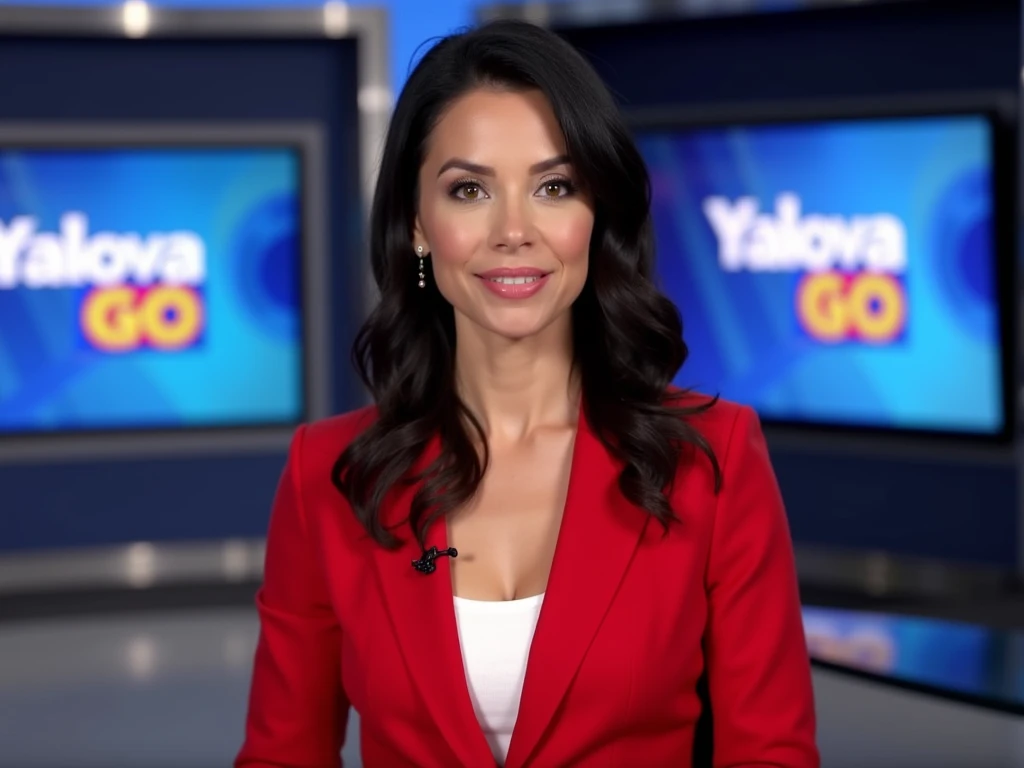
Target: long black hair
[[627, 336]]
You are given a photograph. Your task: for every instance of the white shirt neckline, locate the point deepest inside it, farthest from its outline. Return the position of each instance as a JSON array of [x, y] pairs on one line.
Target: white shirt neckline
[[496, 636], [499, 605]]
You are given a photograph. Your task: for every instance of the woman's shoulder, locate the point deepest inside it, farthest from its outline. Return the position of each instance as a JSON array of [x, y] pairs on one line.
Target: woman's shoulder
[[317, 445], [731, 430], [715, 418], [336, 432]]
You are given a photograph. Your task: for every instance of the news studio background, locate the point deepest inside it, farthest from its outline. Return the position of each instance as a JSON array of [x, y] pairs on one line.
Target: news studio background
[[183, 197]]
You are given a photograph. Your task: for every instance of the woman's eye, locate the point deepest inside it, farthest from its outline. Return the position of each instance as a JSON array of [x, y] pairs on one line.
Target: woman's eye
[[468, 191], [555, 189]]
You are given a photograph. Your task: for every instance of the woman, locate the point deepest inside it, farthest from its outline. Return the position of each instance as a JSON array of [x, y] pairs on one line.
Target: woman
[[531, 551]]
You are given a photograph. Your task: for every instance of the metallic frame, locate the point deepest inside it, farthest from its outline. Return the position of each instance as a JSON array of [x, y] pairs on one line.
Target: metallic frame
[[334, 19], [309, 141], [150, 564], [136, 19]]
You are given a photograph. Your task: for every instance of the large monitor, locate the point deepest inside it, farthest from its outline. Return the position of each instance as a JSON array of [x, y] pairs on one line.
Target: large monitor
[[843, 266], [158, 281]]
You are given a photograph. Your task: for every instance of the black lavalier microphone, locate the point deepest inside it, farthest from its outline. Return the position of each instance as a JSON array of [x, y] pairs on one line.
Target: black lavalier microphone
[[426, 563]]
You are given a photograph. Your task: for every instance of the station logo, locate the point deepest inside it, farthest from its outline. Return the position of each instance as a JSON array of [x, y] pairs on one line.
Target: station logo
[[853, 269], [137, 290]]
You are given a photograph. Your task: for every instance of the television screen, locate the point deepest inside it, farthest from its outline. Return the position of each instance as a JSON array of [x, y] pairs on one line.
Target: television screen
[[941, 654], [836, 272], [150, 287]]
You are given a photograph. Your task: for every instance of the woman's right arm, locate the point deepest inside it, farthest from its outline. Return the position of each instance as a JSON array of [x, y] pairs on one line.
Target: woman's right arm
[[297, 706]]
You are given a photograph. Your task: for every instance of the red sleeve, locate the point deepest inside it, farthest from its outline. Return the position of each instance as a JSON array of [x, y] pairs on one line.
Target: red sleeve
[[759, 677], [297, 707]]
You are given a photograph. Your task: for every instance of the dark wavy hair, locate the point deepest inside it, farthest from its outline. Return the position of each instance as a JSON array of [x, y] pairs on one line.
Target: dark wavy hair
[[627, 335]]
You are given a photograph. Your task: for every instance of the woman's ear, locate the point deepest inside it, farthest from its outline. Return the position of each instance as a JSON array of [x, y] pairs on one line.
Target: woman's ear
[[418, 240]]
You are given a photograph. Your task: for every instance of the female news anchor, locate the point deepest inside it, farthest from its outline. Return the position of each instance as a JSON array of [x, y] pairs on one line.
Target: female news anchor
[[531, 551]]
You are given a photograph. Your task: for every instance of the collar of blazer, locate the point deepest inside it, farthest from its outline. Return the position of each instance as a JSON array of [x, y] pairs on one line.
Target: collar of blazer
[[599, 533]]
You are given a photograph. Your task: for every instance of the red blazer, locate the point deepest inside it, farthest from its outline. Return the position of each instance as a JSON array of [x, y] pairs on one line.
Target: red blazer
[[631, 621]]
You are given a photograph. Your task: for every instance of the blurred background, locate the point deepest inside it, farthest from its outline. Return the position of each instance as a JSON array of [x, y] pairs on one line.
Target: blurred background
[[183, 197]]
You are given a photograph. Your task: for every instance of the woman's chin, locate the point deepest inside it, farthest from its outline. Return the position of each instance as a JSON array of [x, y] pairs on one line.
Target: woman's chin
[[518, 334], [517, 324], [518, 331]]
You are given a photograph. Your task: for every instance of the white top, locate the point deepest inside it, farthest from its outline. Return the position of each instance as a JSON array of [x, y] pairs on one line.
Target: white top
[[495, 638]]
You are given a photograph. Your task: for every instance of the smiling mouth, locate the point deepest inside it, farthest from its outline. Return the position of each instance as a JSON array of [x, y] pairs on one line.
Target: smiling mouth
[[514, 280]]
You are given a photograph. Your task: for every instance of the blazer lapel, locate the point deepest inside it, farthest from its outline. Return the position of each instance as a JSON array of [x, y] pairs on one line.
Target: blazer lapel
[[423, 614], [599, 533]]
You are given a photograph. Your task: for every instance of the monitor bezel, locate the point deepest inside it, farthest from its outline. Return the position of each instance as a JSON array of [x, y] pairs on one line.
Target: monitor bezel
[[308, 141], [999, 109]]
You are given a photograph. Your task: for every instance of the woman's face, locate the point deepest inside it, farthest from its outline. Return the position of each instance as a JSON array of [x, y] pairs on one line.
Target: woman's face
[[499, 211]]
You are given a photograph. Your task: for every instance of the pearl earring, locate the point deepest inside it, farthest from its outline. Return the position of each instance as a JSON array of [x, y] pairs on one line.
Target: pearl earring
[[423, 282]]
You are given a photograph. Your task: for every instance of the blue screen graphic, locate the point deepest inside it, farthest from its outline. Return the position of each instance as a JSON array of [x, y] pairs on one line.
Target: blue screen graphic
[[838, 272], [149, 288], [946, 655]]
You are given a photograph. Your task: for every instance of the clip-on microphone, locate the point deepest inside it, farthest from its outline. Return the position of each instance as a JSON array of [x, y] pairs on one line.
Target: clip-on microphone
[[426, 563]]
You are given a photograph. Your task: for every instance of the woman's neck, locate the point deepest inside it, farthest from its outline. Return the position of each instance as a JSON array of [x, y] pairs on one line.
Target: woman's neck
[[514, 387]]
